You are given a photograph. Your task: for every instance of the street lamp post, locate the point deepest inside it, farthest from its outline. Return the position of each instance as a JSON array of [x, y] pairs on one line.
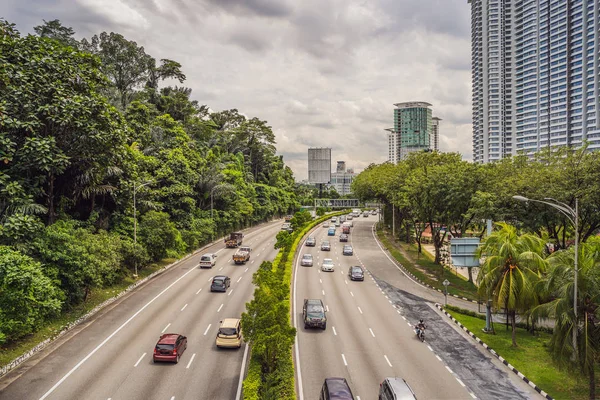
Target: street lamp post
[[135, 189], [573, 216]]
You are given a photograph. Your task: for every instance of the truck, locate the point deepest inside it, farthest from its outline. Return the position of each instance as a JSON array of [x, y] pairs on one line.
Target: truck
[[235, 239], [242, 255], [288, 218]]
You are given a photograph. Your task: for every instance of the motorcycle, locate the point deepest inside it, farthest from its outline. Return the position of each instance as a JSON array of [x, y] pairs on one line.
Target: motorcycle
[[421, 334]]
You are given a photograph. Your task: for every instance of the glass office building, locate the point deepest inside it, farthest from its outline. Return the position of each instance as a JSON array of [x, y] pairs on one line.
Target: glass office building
[[535, 69], [413, 130]]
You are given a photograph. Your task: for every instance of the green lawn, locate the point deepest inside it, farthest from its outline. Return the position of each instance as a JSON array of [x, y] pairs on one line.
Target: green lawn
[[428, 271], [9, 352], [531, 358]]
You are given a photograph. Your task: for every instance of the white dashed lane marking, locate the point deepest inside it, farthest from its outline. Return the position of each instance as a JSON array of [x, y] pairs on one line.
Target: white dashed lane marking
[[344, 358], [334, 331], [388, 360], [138, 361], [239, 279], [207, 328], [191, 359], [371, 330], [359, 309], [183, 308], [199, 291], [166, 327], [221, 306]]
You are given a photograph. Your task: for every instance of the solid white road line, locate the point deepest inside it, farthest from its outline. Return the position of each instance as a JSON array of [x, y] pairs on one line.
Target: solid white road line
[[296, 349], [220, 308], [334, 332], [138, 361], [207, 328], [429, 347], [359, 309], [183, 308], [199, 291], [388, 360], [238, 395], [472, 395], [239, 279], [461, 382], [80, 363], [371, 330], [449, 370], [344, 358], [438, 357], [168, 325], [191, 359]]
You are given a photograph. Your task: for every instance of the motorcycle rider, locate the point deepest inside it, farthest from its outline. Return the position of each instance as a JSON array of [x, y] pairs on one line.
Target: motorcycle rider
[[420, 327]]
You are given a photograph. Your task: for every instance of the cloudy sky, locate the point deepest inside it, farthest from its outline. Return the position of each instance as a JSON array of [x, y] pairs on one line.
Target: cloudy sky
[[323, 73]]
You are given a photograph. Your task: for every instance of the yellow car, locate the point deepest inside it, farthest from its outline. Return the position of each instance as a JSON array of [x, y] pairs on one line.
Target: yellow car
[[230, 333]]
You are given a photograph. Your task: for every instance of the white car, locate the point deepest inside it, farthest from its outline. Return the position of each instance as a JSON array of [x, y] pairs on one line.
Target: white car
[[208, 260], [307, 260], [327, 265]]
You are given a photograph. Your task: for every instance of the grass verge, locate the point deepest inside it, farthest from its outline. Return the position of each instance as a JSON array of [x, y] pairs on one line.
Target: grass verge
[[531, 358], [427, 271], [11, 351]]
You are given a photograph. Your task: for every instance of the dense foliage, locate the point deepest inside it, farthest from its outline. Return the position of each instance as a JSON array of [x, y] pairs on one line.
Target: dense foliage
[[85, 128]]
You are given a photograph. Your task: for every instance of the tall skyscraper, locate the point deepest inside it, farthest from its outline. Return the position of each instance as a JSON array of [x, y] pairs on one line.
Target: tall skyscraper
[[413, 130], [536, 75], [435, 134]]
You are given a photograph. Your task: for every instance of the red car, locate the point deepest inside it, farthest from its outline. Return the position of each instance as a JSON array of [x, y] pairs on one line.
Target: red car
[[170, 346]]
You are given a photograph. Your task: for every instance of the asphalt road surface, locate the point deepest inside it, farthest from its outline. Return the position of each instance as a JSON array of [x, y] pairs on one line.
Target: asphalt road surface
[[110, 357], [369, 333]]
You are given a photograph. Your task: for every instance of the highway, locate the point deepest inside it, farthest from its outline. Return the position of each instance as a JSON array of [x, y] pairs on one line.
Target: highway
[[110, 357], [369, 334]]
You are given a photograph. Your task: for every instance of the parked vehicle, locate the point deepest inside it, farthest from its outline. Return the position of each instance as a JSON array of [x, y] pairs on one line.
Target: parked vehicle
[[230, 333], [220, 283], [395, 389], [169, 347], [336, 389], [356, 273], [208, 260], [235, 239], [242, 255], [313, 314]]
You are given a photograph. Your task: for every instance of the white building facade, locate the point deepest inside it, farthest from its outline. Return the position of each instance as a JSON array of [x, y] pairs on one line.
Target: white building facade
[[536, 75]]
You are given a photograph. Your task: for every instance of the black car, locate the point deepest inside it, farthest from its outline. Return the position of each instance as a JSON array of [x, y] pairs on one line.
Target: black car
[[220, 283], [356, 273], [336, 389], [343, 237], [313, 314], [311, 242]]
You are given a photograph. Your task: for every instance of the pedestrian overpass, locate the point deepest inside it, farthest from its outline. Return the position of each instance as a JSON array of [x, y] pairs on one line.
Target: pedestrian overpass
[[337, 203]]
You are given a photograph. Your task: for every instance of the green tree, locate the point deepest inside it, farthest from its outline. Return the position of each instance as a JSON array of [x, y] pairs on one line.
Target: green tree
[[159, 235], [559, 285], [27, 296], [55, 30], [513, 265]]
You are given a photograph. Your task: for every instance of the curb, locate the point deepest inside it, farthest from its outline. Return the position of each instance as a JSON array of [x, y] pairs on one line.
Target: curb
[[67, 328], [417, 279], [513, 369]]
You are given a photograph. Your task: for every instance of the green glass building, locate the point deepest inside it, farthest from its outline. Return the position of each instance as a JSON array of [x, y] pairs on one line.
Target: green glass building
[[413, 129]]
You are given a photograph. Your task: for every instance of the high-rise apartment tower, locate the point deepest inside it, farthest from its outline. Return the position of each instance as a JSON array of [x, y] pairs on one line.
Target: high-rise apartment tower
[[413, 130], [536, 75]]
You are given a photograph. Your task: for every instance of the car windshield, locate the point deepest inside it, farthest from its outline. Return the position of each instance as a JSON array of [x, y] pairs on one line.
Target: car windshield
[[218, 282], [227, 331], [307, 257], [205, 258], [356, 270], [327, 262], [314, 311]]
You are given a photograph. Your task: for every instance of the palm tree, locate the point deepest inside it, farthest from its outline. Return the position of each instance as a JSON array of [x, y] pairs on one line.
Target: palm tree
[[513, 264], [559, 284]]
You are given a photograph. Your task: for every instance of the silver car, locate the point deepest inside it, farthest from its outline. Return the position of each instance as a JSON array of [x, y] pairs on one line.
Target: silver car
[[325, 246], [307, 260], [327, 265]]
